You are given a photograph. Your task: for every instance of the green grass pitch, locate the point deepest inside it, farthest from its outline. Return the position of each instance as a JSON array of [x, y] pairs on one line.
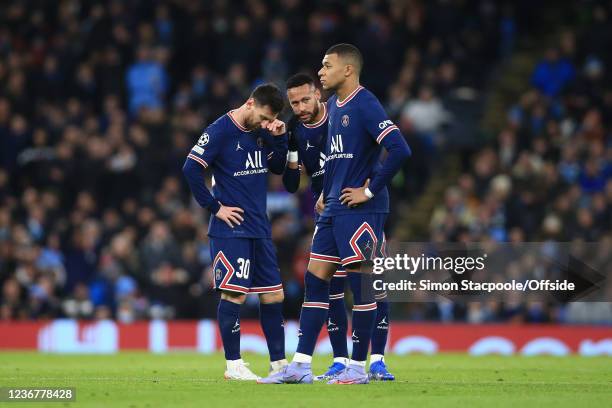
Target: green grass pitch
[[191, 380]]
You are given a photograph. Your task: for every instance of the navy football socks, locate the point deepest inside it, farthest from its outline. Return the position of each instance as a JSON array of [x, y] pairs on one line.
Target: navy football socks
[[381, 328], [271, 318], [337, 321], [228, 317], [312, 318], [364, 315]]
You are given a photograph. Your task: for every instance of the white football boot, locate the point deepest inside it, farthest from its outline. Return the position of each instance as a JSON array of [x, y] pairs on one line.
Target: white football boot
[[239, 370]]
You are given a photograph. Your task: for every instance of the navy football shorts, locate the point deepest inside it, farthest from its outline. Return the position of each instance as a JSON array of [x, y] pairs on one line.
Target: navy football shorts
[[346, 239], [245, 265]]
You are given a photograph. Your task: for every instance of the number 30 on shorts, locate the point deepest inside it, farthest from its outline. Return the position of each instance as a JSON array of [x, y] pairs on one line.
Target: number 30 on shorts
[[245, 266]]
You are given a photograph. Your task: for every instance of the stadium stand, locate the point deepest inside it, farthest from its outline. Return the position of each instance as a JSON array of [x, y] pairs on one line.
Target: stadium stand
[[101, 101]]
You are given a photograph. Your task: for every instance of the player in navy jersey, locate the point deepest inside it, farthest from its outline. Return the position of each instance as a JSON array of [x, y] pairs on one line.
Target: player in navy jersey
[[241, 147], [307, 132], [353, 211]]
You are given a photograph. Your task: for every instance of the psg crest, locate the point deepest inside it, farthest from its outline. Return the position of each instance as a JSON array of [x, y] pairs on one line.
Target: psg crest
[[260, 142], [345, 120]]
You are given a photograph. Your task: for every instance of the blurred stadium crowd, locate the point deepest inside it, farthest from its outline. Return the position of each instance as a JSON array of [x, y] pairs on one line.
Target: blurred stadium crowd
[[101, 101]]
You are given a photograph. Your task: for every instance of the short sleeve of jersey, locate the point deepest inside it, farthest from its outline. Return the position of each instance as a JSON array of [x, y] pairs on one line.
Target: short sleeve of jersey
[[208, 145], [375, 119]]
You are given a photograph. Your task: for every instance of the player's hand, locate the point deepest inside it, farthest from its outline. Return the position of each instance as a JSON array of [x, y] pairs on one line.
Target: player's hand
[[355, 196], [320, 205], [230, 215], [277, 127]]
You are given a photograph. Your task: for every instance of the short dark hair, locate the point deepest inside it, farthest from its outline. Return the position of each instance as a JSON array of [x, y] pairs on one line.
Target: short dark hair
[[299, 80], [348, 52], [269, 95]]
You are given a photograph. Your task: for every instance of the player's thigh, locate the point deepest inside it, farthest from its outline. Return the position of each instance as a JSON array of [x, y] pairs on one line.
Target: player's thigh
[[266, 273], [359, 238], [324, 258], [231, 264]]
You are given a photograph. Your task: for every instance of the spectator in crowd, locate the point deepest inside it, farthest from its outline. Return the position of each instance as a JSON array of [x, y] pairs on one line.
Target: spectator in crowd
[[553, 74]]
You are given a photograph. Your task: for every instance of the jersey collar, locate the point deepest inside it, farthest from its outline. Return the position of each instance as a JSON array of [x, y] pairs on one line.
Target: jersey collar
[[348, 98], [238, 125]]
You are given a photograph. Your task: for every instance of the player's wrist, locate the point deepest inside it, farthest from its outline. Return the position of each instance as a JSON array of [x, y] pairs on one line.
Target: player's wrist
[[214, 207], [368, 193], [292, 156]]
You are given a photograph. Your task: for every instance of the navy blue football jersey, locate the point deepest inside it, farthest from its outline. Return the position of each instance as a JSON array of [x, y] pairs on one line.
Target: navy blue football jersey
[[357, 127], [311, 142], [240, 161]]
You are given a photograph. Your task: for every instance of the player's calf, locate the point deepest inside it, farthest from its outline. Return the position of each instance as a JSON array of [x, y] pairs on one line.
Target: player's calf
[[337, 324], [364, 316], [272, 324], [378, 369], [228, 318]]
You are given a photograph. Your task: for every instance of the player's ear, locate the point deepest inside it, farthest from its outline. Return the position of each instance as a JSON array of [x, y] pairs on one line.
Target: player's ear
[[348, 70], [317, 94], [250, 103]]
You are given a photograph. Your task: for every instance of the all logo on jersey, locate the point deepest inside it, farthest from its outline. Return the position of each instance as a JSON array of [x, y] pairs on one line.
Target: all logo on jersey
[[336, 144], [345, 120], [253, 161], [336, 149], [204, 139]]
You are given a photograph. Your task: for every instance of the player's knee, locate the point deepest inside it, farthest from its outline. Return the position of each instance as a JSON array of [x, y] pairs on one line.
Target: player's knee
[[233, 297], [362, 288], [353, 267], [322, 270], [273, 297]]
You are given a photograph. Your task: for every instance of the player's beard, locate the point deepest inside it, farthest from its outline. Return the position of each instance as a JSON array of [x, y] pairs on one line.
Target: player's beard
[[311, 116], [315, 112]]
